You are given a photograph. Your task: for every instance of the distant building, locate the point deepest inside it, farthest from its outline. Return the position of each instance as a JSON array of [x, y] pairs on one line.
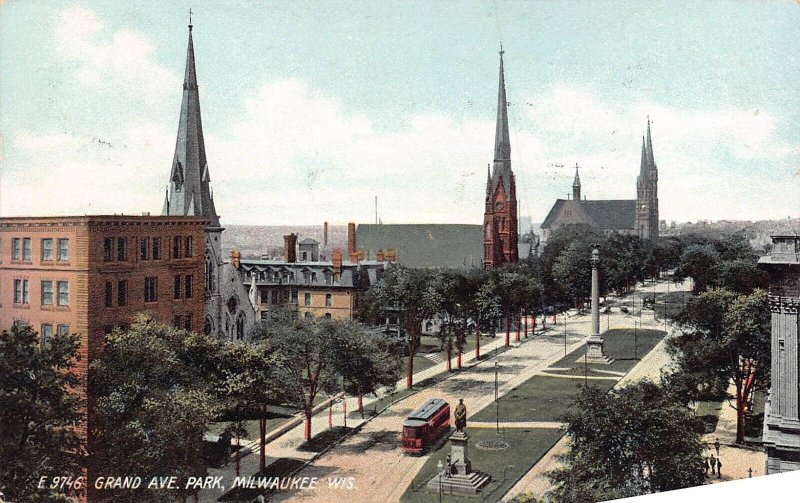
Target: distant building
[[229, 314], [418, 245], [626, 216], [782, 413], [500, 233], [89, 274], [310, 288]]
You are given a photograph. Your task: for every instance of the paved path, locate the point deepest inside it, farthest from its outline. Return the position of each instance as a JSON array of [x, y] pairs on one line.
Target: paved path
[[372, 456], [535, 481], [518, 424], [736, 459], [381, 471]]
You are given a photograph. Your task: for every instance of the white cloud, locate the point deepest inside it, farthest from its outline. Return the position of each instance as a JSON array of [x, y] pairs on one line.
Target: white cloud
[[124, 58]]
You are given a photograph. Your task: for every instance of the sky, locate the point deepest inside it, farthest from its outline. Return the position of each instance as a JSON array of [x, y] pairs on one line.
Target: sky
[[312, 109]]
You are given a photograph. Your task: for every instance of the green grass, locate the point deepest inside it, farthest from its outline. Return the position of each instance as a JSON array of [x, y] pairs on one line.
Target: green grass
[[505, 466], [674, 303], [544, 398], [274, 420]]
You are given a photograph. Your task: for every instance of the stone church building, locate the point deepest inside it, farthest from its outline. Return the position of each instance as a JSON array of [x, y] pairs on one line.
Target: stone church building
[[229, 313], [626, 216]]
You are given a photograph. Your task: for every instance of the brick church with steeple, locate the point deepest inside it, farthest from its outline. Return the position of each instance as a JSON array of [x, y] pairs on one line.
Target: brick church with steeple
[[229, 312], [500, 233], [637, 217]]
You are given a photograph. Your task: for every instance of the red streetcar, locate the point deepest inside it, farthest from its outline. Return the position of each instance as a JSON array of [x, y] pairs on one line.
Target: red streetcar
[[423, 427]]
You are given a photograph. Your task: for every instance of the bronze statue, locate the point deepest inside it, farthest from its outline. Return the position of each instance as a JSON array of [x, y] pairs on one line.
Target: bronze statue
[[460, 415]]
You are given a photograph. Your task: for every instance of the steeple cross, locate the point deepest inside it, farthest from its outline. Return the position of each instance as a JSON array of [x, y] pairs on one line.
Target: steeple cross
[[501, 50], [190, 17]]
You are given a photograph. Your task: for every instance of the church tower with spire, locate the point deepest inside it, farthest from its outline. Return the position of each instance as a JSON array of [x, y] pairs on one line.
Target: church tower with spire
[[647, 220], [189, 191], [500, 215], [576, 185]]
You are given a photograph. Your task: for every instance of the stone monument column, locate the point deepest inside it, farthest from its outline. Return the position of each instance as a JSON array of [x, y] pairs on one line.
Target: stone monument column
[[781, 432], [594, 346]]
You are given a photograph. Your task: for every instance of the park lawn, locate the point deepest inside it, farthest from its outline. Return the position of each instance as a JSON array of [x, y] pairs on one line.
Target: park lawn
[[430, 345], [545, 398], [671, 303], [505, 466]]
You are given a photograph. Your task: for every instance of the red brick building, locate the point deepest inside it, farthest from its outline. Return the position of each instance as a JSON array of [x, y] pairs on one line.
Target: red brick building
[[87, 275], [500, 236]]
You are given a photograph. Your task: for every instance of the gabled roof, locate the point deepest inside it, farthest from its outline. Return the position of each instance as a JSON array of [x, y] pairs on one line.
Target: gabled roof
[[603, 214], [309, 241], [612, 213]]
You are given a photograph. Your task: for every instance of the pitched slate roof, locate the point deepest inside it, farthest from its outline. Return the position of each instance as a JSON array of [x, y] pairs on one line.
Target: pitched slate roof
[[604, 214], [425, 245], [611, 213]]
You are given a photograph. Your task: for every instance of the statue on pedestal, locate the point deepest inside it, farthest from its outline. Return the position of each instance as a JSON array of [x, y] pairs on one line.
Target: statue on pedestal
[[460, 415]]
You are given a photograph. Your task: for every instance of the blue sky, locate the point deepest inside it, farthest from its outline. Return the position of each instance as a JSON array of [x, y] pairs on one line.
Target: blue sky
[[311, 109]]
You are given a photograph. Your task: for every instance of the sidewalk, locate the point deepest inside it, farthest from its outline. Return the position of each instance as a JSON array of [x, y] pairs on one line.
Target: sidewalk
[[736, 459]]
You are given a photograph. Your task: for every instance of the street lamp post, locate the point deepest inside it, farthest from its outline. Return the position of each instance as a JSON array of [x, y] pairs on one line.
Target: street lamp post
[[496, 397], [565, 336], [635, 357], [440, 467]]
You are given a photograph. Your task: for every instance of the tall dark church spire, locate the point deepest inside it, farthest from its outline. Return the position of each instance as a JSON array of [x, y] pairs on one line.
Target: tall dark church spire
[[576, 185], [647, 219], [189, 190], [500, 216]]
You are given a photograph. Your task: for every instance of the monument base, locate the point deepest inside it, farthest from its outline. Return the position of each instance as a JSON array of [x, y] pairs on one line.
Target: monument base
[[472, 483], [594, 352]]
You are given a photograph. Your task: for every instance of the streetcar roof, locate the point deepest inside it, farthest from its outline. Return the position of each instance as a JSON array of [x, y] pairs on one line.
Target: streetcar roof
[[427, 410]]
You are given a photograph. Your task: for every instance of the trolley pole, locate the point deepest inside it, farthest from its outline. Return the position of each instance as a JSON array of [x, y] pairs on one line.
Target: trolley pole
[[565, 336]]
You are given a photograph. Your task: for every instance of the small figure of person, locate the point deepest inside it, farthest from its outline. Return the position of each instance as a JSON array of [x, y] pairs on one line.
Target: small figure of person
[[716, 445], [449, 470], [713, 464], [705, 467], [460, 415], [719, 468]]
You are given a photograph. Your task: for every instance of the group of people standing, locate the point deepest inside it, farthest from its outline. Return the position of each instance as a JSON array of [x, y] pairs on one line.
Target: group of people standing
[[713, 463]]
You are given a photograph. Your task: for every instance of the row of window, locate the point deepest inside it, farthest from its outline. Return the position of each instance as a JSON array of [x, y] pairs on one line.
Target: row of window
[[116, 249], [184, 322], [46, 332], [22, 292], [21, 249], [277, 298]]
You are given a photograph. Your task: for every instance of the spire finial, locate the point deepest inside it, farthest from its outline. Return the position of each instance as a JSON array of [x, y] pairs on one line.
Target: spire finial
[[190, 19], [501, 50]]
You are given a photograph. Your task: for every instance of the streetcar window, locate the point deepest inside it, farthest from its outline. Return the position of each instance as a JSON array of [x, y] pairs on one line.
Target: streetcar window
[[409, 432]]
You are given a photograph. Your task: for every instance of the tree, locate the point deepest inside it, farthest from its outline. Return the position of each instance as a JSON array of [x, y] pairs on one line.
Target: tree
[[324, 355], [39, 413], [248, 382], [700, 262], [402, 291], [628, 442], [155, 392], [726, 338], [742, 275]]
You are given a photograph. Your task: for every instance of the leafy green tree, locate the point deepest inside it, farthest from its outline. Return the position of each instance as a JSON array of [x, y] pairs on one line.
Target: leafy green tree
[[314, 356], [701, 263], [248, 381], [402, 291], [39, 414], [726, 338], [628, 442], [741, 275], [154, 392]]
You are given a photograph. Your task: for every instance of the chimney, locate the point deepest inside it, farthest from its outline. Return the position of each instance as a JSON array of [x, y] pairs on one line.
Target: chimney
[[236, 257], [336, 259], [351, 238], [379, 256], [290, 248], [325, 235]]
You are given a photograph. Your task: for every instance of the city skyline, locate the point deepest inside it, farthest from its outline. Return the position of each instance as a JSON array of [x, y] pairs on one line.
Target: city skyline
[[305, 125]]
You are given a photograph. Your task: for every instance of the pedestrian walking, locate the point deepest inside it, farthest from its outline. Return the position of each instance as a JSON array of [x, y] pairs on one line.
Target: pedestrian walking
[[705, 467], [716, 445], [713, 464], [719, 468]]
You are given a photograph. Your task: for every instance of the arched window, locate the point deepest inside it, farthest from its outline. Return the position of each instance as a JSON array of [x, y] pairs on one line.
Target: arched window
[[240, 322]]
